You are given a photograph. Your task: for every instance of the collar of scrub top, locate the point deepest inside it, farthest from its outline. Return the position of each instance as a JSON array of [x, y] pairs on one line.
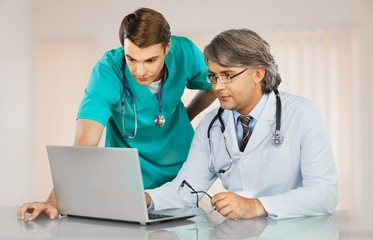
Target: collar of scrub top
[[126, 88], [159, 120]]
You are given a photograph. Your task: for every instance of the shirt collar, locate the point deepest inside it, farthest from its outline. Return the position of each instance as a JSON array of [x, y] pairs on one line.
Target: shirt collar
[[257, 111]]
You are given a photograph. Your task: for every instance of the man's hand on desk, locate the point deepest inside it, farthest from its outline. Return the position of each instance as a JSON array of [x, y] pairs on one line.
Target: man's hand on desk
[[35, 208], [234, 206]]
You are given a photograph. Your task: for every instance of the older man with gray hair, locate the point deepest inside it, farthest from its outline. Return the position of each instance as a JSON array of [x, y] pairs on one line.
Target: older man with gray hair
[[269, 148]]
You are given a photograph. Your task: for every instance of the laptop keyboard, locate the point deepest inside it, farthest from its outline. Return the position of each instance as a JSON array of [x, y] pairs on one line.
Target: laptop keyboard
[[153, 216]]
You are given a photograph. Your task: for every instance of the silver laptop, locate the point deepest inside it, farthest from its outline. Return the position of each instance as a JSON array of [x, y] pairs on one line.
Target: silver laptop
[[105, 183]]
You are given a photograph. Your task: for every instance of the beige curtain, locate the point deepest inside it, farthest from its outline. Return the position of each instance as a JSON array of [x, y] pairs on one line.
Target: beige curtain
[[321, 65]]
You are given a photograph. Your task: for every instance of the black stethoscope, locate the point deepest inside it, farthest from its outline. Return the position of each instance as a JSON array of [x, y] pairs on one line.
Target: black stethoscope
[[158, 120], [276, 138]]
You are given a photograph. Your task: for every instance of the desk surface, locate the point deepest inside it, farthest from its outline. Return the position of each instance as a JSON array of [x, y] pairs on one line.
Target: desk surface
[[203, 226]]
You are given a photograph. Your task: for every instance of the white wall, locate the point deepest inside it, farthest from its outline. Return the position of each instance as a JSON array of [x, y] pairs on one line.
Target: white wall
[[16, 102], [26, 24]]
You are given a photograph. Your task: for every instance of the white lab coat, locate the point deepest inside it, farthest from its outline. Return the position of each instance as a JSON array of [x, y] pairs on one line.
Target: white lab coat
[[296, 178]]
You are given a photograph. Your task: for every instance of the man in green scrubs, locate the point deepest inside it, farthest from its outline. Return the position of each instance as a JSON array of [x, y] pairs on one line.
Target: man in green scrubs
[[135, 92]]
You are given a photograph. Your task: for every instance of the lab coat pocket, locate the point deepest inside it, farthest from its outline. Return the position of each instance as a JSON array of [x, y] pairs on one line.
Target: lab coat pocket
[[276, 166]]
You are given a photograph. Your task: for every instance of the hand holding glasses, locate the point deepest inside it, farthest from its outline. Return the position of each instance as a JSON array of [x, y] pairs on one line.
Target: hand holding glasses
[[192, 198]]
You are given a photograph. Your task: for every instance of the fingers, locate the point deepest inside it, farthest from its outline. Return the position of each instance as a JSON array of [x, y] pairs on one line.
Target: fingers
[[233, 206], [51, 212], [225, 209], [36, 208], [218, 197], [221, 203], [22, 211], [34, 214]]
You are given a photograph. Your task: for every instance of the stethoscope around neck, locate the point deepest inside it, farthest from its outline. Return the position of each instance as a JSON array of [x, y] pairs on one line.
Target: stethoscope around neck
[[276, 138], [159, 120]]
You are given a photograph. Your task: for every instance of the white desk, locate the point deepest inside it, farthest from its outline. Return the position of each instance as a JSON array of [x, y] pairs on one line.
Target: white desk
[[203, 226]]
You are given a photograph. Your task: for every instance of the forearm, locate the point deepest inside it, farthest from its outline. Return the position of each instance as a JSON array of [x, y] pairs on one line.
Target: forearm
[[302, 202], [200, 102], [164, 197], [88, 133]]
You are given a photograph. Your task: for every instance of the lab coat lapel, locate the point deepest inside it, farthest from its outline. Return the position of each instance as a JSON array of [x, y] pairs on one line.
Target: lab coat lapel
[[264, 126], [230, 131]]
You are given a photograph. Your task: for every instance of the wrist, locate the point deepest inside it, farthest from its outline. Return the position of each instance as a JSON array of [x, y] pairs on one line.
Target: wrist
[[148, 199], [51, 203], [260, 210]]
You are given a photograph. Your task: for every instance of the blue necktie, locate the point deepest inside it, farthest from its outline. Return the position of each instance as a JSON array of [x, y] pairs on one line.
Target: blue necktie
[[245, 120]]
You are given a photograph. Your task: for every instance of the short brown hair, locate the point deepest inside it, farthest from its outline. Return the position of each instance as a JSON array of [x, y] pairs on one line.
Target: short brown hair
[[145, 27]]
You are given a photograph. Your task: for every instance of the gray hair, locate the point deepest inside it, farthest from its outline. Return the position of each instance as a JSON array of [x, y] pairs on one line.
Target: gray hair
[[244, 48]]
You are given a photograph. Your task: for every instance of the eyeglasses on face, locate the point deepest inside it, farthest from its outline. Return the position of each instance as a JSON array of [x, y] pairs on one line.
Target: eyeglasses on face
[[223, 78]]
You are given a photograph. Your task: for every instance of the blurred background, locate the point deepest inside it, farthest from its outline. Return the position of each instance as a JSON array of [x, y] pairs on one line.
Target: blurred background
[[48, 47]]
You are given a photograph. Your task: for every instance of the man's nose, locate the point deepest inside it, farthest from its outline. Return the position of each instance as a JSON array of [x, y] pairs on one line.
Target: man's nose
[[140, 69], [218, 85]]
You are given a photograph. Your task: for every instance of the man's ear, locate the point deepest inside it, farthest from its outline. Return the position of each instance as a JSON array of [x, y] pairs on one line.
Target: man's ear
[[259, 73], [167, 48]]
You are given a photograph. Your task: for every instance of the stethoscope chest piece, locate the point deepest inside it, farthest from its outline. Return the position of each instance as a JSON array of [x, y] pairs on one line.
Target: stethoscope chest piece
[[277, 138], [159, 120]]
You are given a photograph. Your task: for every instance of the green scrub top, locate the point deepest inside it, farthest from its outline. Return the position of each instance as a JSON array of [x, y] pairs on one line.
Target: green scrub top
[[162, 150]]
